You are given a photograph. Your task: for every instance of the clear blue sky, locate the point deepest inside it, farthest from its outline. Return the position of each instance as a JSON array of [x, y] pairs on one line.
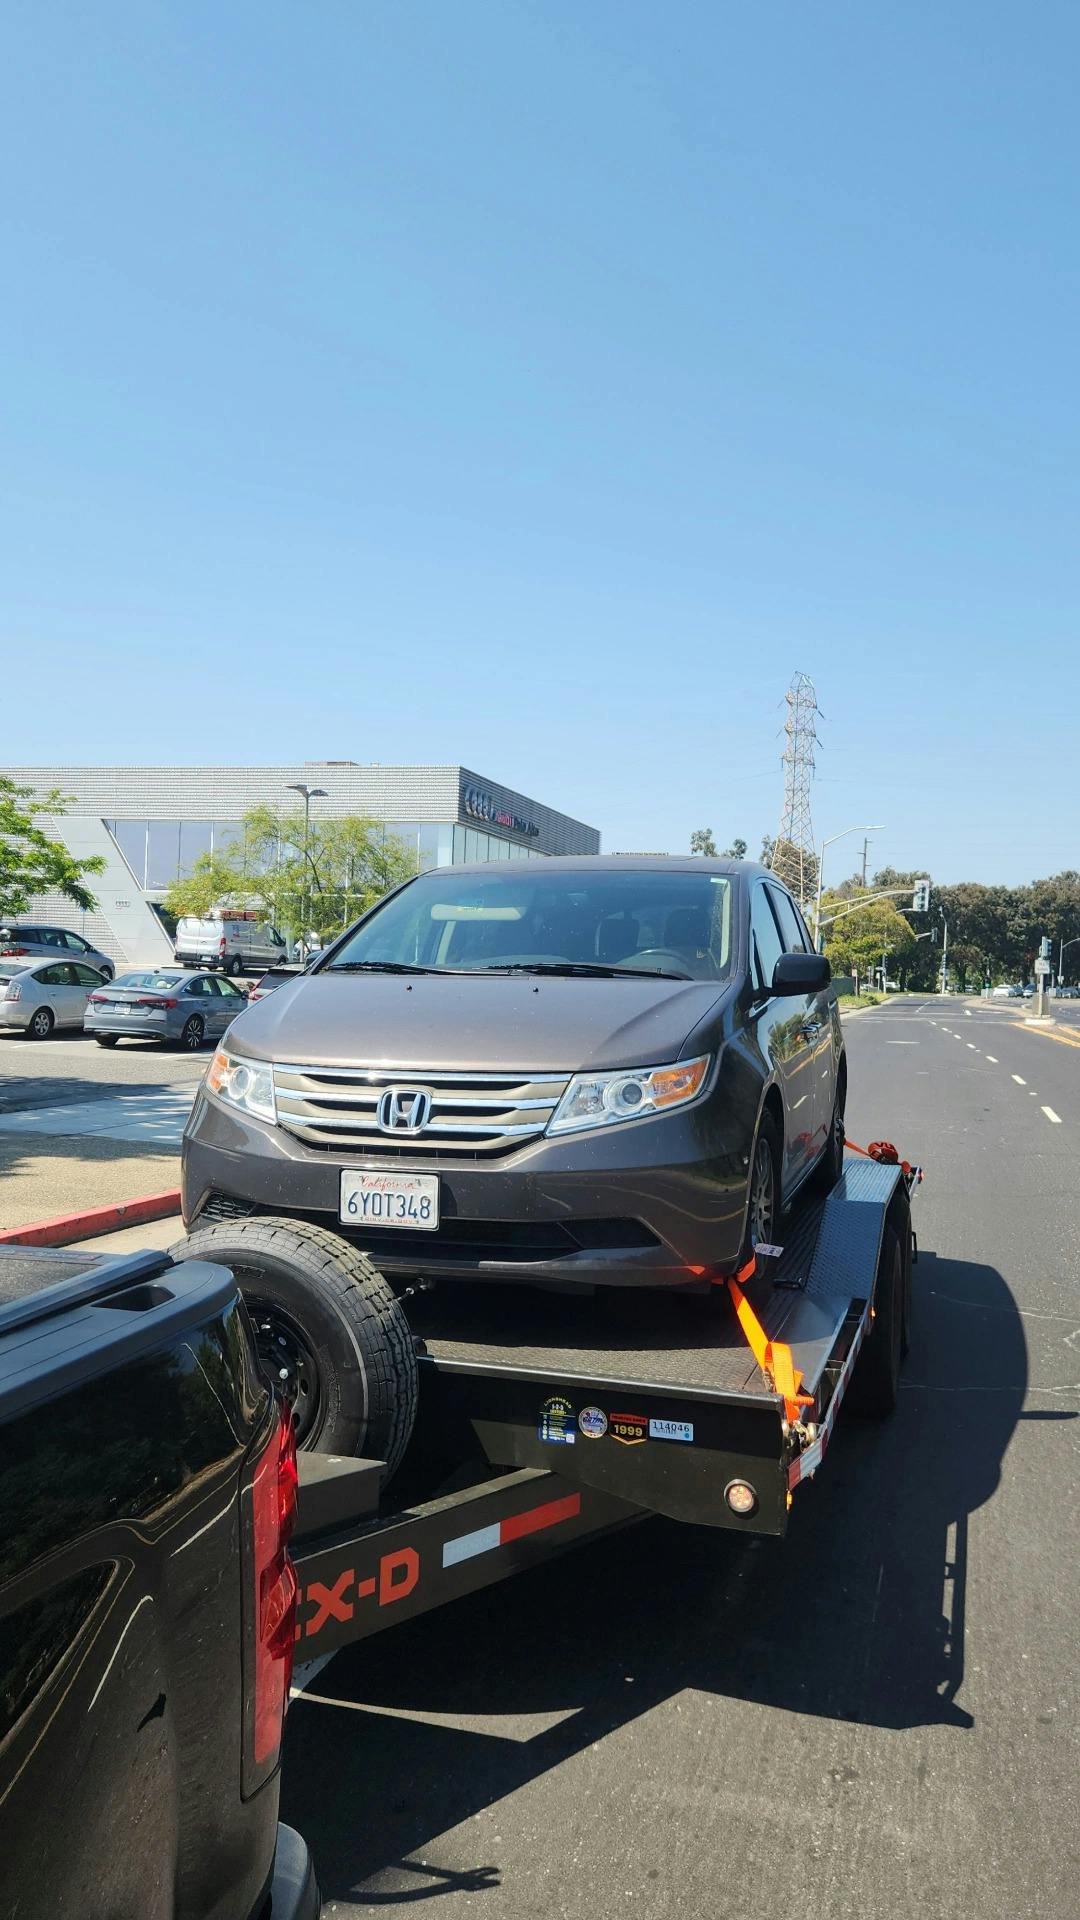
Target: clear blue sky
[[537, 383]]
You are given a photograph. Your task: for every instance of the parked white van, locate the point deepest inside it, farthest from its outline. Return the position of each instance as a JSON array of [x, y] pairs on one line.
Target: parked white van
[[235, 942]]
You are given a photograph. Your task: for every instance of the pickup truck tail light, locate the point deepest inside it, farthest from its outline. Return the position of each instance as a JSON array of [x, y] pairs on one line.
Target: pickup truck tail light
[[273, 1602]]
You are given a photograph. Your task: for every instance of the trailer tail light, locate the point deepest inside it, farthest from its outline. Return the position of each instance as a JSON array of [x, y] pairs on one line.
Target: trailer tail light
[[272, 1599], [741, 1498]]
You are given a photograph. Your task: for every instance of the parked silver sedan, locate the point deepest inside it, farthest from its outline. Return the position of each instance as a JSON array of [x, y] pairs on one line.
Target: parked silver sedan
[[37, 996], [163, 1003]]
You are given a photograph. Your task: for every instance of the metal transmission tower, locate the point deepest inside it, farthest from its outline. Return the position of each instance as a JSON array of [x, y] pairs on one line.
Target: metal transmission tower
[[794, 861]]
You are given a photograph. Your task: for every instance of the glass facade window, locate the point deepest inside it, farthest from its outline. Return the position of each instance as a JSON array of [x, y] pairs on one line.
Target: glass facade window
[[161, 851]]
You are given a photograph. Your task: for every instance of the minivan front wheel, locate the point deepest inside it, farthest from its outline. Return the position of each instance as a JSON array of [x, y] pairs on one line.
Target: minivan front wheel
[[763, 1199]]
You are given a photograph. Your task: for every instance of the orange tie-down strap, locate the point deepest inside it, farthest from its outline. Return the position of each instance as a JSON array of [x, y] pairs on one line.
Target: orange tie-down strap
[[885, 1152], [772, 1356]]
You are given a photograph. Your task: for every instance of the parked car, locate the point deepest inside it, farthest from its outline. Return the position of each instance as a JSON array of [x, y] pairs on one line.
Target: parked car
[[51, 993], [235, 942], [276, 977], [147, 1598], [19, 940], [164, 1005], [588, 1071]]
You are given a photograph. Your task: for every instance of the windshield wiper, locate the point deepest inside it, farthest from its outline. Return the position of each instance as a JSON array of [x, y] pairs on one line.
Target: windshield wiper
[[586, 967], [377, 966]]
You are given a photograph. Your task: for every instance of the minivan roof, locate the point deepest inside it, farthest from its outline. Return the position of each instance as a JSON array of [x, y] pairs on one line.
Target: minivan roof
[[614, 863]]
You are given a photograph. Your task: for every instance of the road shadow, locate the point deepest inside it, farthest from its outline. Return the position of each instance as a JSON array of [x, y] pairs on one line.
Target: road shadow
[[857, 1616]]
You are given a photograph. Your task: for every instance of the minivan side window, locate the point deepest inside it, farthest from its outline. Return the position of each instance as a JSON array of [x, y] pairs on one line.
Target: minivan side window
[[784, 908], [764, 939]]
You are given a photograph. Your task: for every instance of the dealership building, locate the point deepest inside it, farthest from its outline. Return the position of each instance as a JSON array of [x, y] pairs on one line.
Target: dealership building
[[149, 824]]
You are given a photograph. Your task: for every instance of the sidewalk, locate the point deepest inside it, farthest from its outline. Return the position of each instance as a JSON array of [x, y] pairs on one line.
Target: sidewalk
[[42, 1175]]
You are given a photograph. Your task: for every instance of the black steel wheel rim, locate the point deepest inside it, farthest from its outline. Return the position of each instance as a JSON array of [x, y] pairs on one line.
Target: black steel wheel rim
[[762, 1196], [287, 1358]]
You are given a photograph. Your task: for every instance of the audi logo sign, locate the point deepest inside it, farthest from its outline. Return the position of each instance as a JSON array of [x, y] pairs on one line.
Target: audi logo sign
[[480, 806]]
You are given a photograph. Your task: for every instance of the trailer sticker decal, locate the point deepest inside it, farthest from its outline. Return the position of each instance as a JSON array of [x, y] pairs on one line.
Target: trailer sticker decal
[[629, 1428], [515, 1527], [593, 1423], [557, 1421], [671, 1429]]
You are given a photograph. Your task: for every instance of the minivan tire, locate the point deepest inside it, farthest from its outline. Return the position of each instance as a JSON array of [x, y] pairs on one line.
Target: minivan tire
[[235, 966], [342, 1333]]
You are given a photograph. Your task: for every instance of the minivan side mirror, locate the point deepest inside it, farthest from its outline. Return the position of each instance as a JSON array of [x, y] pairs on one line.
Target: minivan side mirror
[[801, 973]]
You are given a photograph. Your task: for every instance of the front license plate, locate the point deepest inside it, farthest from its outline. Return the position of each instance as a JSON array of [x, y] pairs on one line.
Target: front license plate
[[409, 1200]]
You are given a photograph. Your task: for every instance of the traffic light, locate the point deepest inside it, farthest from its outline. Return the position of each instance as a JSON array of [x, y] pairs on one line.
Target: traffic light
[[1044, 947], [920, 899]]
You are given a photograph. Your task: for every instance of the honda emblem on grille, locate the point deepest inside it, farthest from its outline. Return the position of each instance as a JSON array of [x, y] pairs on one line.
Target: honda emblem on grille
[[404, 1110]]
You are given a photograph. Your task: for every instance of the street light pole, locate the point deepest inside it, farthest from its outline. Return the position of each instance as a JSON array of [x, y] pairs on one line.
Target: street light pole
[[1062, 951], [821, 869], [310, 794]]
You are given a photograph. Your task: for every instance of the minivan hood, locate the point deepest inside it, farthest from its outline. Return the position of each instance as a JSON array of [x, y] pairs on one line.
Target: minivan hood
[[475, 1022]]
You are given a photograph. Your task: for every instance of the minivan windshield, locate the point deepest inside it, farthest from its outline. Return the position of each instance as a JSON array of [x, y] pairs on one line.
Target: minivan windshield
[[675, 924]]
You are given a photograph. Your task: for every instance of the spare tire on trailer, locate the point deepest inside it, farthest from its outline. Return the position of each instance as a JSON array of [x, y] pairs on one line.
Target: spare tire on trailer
[[328, 1328]]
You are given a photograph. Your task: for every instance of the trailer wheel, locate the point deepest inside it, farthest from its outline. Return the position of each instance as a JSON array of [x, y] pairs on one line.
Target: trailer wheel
[[875, 1384], [328, 1328]]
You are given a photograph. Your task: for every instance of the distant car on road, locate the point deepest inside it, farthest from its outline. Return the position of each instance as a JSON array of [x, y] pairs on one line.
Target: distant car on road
[[163, 1003], [1001, 993], [20, 940], [45, 994]]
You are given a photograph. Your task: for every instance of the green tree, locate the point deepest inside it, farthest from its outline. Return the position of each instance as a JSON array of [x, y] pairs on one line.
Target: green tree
[[216, 880], [856, 942], [736, 851], [349, 864], [31, 862], [702, 841]]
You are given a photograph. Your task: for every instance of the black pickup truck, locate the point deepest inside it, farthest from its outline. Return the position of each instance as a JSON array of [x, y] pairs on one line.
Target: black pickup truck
[[147, 1598]]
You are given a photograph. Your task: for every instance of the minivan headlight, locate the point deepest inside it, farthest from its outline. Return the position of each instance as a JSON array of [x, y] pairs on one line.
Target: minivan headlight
[[247, 1084], [601, 1099]]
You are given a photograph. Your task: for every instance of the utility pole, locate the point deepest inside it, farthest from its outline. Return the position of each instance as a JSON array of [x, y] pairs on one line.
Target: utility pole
[[944, 954], [865, 845], [310, 794]]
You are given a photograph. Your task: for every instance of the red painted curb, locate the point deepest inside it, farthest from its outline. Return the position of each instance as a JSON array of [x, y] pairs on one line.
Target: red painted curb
[[83, 1226]]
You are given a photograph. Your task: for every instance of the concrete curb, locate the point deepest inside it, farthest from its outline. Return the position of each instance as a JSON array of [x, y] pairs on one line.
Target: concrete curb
[[66, 1227]]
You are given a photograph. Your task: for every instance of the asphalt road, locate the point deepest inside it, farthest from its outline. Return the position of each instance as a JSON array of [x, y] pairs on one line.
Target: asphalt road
[[875, 1717]]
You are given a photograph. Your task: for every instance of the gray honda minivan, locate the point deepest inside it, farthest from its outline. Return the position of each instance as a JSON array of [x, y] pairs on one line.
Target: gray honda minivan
[[571, 1072]]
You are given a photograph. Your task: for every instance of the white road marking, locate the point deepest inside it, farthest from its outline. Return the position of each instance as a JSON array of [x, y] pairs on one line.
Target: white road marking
[[902, 1043], [967, 1013], [972, 1047], [992, 1059], [1019, 1082], [1051, 1115]]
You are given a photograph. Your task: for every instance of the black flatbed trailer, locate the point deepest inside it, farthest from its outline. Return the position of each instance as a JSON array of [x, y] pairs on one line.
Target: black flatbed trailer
[[548, 1419]]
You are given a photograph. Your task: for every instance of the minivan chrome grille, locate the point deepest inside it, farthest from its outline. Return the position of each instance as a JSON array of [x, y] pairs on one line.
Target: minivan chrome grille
[[472, 1114]]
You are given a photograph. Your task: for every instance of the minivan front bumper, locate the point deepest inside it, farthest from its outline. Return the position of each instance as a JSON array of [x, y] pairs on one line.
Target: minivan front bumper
[[658, 1202]]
